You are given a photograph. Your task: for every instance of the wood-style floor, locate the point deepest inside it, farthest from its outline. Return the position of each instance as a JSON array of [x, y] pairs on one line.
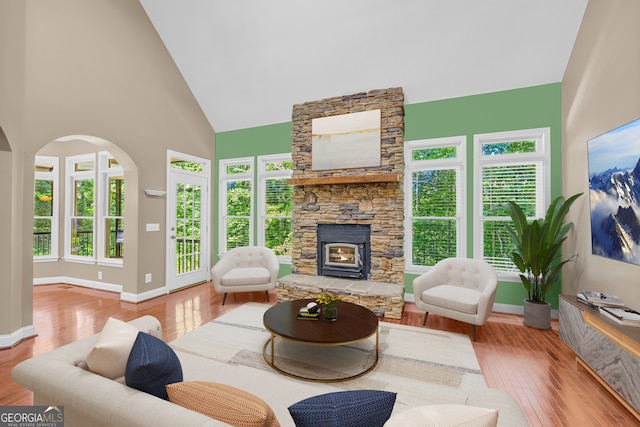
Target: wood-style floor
[[534, 366]]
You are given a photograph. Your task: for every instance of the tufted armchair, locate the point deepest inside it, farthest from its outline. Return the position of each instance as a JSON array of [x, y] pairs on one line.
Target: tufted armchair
[[246, 269], [458, 288]]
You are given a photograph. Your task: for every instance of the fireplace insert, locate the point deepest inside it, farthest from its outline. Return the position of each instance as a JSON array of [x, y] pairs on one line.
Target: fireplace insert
[[344, 250]]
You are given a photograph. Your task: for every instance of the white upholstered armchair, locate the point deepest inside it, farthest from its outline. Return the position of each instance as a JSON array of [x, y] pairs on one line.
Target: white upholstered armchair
[[458, 288], [246, 269]]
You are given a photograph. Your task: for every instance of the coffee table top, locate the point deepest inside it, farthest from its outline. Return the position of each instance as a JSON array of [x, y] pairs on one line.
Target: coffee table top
[[354, 323]]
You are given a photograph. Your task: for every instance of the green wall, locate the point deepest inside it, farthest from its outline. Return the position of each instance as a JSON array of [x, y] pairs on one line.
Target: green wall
[[532, 107]]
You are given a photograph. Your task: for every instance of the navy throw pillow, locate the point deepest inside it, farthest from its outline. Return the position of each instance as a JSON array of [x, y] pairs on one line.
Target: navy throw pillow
[[152, 365], [353, 408]]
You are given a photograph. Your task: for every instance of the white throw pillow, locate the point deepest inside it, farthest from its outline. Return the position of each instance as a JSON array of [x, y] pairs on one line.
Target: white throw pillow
[[109, 355], [445, 416]]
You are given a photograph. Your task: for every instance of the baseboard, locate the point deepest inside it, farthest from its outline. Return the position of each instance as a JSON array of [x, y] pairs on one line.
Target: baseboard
[[93, 284], [8, 341], [102, 286], [516, 309], [136, 298]]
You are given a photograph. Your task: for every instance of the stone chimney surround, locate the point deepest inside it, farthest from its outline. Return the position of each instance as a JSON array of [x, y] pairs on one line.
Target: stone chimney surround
[[367, 195]]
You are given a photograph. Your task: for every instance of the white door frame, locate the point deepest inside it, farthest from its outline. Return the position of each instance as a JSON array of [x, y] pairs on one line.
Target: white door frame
[[174, 280]]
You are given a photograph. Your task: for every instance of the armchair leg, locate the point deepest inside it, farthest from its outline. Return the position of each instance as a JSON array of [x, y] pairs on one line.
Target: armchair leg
[[267, 294], [424, 322], [224, 298], [473, 331]]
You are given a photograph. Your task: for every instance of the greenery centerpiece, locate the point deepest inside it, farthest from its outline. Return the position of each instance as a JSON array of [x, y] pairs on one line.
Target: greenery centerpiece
[[537, 254], [329, 303]]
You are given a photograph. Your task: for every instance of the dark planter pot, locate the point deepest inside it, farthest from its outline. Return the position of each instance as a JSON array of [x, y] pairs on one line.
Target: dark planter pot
[[537, 315]]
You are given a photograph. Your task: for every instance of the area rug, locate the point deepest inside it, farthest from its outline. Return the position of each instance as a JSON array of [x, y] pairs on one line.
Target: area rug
[[418, 363]]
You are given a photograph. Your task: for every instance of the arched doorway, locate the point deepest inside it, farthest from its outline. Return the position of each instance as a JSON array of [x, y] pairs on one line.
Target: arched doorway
[[85, 214]]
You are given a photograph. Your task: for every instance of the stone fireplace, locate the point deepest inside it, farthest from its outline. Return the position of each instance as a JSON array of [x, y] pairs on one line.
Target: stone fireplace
[[372, 197]]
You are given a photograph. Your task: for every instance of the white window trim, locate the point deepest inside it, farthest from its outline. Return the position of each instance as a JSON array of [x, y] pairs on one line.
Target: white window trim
[[53, 176], [542, 136], [71, 176], [411, 165], [101, 207], [263, 176], [224, 178]]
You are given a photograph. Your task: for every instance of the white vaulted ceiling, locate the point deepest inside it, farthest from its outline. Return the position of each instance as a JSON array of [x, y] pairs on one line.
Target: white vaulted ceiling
[[249, 61]]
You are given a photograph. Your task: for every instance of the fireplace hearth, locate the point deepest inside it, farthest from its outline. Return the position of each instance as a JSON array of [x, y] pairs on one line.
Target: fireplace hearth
[[344, 250]]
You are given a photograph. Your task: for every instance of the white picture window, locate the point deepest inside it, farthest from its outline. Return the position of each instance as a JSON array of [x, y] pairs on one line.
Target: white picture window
[[94, 209], [80, 223], [274, 227], [236, 203], [110, 215], [510, 166], [434, 191], [45, 209]]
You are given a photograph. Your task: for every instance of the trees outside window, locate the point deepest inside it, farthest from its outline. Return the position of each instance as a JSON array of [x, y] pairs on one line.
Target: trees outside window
[[434, 218]]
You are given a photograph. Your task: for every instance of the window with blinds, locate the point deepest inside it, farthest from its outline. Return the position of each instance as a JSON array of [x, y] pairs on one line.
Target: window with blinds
[[236, 202], [434, 188], [275, 203], [510, 166]]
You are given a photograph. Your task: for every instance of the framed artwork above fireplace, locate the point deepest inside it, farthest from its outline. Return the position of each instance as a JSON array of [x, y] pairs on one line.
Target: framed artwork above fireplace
[[346, 141]]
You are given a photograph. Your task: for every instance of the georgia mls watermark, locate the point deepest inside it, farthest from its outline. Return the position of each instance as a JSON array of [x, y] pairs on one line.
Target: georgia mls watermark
[[31, 416]]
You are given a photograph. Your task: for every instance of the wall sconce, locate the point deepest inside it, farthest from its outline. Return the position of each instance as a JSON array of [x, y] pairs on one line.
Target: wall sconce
[[154, 193]]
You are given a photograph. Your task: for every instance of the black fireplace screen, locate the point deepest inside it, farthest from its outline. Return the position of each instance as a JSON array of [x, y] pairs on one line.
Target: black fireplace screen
[[344, 250]]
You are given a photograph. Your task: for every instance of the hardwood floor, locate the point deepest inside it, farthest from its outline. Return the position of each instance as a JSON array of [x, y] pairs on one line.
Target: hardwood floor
[[533, 366]]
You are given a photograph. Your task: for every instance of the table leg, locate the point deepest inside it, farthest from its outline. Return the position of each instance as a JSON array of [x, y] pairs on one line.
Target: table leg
[[273, 351]]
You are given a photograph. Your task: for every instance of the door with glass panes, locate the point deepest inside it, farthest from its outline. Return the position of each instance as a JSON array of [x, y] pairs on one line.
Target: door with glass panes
[[187, 221]]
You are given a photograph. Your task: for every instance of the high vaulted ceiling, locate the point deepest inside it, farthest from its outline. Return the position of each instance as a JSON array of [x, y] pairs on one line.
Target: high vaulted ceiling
[[249, 61]]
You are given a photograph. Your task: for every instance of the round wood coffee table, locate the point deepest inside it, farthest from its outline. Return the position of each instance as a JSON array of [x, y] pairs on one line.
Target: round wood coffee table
[[354, 324]]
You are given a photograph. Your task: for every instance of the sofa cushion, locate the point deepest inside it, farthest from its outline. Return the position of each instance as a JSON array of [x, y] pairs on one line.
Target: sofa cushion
[[344, 409], [507, 406], [453, 297], [109, 355], [445, 416], [246, 276], [223, 402], [152, 365]]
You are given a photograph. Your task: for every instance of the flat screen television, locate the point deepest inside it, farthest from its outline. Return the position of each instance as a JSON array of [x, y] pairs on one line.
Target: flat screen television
[[614, 193]]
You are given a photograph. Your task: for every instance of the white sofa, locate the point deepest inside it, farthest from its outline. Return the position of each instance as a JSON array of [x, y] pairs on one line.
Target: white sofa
[[60, 377]]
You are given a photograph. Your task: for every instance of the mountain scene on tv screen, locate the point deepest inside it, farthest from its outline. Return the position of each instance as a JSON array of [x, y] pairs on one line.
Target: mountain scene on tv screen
[[614, 193], [615, 214]]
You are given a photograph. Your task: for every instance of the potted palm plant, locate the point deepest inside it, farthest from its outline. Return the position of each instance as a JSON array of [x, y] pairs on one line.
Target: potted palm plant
[[537, 255]]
